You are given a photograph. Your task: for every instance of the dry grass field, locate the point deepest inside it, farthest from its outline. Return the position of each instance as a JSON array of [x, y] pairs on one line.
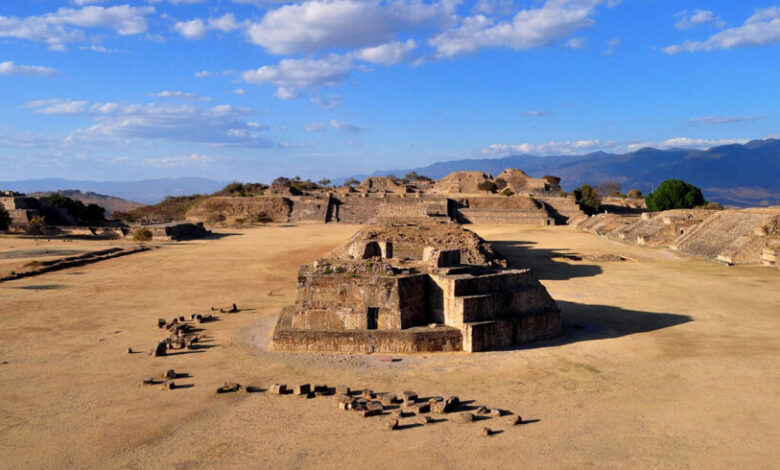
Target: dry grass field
[[665, 363]]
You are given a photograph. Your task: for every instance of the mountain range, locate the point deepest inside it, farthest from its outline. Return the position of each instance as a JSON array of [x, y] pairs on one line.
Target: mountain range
[[739, 174], [144, 191]]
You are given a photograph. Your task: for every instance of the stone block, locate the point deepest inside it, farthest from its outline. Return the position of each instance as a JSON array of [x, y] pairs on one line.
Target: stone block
[[409, 396], [303, 389], [464, 417], [278, 389], [342, 390]]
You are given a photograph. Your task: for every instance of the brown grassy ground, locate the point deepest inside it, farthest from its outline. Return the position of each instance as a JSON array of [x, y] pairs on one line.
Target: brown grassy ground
[[665, 363]]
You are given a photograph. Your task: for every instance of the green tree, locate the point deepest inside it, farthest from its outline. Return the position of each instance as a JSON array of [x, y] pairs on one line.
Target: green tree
[[488, 186], [142, 235], [588, 199], [5, 219], [634, 194], [324, 182], [351, 182], [674, 194]]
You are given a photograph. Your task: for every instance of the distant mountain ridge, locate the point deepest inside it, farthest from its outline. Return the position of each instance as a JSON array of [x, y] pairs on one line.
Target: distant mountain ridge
[[739, 174], [145, 191]]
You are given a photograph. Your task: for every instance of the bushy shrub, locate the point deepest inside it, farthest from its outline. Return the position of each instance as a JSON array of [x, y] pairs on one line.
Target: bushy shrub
[[588, 199], [674, 194], [507, 192], [142, 235], [634, 194], [88, 214], [36, 224], [488, 186]]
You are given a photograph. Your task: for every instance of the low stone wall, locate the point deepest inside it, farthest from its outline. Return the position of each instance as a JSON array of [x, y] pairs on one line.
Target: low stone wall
[[412, 340], [484, 336], [504, 217]]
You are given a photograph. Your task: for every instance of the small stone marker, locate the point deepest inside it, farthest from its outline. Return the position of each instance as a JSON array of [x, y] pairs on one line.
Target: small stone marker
[[129, 350], [160, 349], [464, 417], [229, 387], [496, 412], [409, 396], [342, 390], [515, 420], [303, 389], [161, 322], [278, 389], [169, 374], [424, 420], [391, 424], [169, 385], [147, 381], [482, 410], [486, 432]]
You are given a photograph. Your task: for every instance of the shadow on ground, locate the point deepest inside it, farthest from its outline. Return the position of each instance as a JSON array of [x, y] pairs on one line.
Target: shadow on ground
[[521, 255], [583, 322]]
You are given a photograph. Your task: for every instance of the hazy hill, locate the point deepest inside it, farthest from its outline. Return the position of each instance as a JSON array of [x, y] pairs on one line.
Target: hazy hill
[[110, 203], [733, 174], [144, 191]]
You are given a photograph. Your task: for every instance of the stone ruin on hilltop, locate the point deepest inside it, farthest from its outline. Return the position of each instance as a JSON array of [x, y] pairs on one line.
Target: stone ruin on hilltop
[[405, 287]]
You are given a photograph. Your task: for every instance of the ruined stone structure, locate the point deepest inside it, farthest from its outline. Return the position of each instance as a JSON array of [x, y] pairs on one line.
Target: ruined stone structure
[[415, 288], [747, 236], [22, 209], [455, 198], [174, 231]]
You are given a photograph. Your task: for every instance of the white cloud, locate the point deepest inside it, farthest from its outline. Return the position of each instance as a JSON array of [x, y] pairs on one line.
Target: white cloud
[[319, 25], [328, 102], [193, 29], [534, 113], [61, 27], [685, 142], [698, 17], [575, 43], [529, 28], [179, 95], [10, 68], [239, 91], [178, 162], [612, 45], [346, 127], [205, 74], [725, 119], [221, 124], [197, 28], [390, 53], [291, 75], [759, 30], [315, 126], [549, 148]]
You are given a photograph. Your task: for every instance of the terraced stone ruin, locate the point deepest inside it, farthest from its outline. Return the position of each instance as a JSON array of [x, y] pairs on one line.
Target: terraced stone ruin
[[409, 287]]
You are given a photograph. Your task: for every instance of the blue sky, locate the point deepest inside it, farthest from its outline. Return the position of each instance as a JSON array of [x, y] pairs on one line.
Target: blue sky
[[253, 89]]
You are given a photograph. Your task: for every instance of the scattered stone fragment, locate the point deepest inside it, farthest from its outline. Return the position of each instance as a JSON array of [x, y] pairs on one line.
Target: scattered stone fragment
[[367, 393], [496, 413], [169, 374], [343, 390], [486, 432], [278, 389], [229, 387], [169, 385], [193, 315], [161, 322], [464, 417], [148, 381], [515, 420], [482, 410], [409, 396], [424, 420], [181, 318], [129, 350], [303, 389], [391, 424], [386, 399], [160, 349], [397, 413], [234, 309]]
